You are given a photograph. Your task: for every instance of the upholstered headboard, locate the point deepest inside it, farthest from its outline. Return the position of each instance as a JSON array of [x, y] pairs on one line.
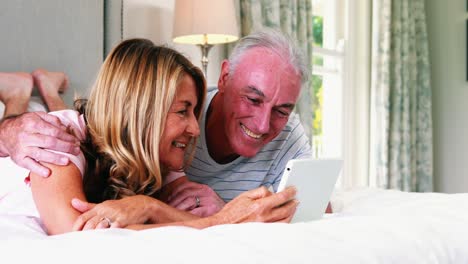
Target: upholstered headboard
[[59, 35]]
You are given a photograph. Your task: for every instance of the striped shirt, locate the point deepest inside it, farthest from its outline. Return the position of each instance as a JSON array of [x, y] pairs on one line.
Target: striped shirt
[[243, 174]]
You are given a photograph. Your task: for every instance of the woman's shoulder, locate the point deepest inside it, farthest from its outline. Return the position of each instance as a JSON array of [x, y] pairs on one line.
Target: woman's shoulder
[[73, 120]]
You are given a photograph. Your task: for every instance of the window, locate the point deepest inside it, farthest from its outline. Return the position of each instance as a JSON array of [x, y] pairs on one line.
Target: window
[[327, 78]]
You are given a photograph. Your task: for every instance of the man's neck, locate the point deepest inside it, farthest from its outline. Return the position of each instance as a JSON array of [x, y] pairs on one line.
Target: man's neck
[[215, 136]]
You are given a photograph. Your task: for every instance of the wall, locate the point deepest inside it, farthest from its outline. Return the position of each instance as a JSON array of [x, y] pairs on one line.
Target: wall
[[56, 35], [153, 19], [447, 44]]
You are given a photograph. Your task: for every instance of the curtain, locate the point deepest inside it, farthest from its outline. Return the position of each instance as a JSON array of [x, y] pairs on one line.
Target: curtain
[[401, 122], [293, 17]]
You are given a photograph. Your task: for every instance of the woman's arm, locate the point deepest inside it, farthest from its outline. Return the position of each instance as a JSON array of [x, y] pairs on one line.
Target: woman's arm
[[138, 209], [52, 196], [141, 209]]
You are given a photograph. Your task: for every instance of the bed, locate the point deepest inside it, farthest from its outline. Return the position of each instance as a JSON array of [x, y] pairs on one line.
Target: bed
[[368, 226]]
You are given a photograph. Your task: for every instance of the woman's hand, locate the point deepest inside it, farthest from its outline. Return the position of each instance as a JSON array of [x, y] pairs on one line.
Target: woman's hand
[[114, 213], [260, 205], [198, 199]]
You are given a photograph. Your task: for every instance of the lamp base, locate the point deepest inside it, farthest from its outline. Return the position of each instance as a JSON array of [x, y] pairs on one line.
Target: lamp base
[[205, 49]]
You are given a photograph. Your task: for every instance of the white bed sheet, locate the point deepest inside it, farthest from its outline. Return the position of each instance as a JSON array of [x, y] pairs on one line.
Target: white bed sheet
[[370, 226]]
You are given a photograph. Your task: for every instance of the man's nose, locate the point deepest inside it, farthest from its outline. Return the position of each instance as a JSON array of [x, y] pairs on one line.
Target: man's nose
[[263, 120]]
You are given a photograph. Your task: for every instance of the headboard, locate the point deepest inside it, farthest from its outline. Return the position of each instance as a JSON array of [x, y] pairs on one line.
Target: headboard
[[59, 35]]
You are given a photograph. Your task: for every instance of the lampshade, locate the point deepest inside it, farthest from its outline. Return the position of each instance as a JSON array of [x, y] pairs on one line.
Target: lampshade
[[204, 22]]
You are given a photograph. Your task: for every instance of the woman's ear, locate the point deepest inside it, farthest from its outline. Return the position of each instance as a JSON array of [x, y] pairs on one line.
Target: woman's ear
[[224, 75]]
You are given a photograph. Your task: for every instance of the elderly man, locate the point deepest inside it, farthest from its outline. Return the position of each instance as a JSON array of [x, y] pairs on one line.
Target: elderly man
[[248, 128]]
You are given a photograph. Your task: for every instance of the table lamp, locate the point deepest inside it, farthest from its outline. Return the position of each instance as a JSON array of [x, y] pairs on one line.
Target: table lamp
[[204, 23]]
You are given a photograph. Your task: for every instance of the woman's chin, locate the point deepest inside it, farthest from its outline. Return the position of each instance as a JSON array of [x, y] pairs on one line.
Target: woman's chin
[[175, 166]]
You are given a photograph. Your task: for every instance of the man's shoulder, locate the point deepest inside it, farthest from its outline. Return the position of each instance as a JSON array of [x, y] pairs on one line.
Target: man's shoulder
[[293, 126], [291, 138], [294, 120], [211, 89]]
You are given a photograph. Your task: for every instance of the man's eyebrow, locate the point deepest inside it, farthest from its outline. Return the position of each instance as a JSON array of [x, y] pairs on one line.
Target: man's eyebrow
[[255, 90], [287, 105]]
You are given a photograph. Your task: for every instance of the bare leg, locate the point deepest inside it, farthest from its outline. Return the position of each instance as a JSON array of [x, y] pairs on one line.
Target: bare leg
[[15, 92], [50, 84]]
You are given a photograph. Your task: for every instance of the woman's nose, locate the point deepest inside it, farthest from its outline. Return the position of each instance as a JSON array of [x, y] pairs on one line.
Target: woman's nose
[[193, 129]]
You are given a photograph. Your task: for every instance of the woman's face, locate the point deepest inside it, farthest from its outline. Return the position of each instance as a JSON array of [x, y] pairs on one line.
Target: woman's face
[[181, 125]]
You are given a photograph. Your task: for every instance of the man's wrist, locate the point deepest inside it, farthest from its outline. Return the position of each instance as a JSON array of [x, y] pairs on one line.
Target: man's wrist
[[3, 150]]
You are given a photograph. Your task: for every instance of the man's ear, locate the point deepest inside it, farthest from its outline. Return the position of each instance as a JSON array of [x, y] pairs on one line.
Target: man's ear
[[223, 76]]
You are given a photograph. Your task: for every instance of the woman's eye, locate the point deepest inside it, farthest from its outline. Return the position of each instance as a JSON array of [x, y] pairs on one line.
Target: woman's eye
[[182, 112]]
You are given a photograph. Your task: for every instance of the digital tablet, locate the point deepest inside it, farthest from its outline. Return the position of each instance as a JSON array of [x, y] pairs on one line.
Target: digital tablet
[[314, 180]]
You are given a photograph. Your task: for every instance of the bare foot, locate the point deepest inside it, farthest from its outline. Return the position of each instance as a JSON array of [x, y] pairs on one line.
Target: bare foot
[[50, 84], [15, 91], [14, 85]]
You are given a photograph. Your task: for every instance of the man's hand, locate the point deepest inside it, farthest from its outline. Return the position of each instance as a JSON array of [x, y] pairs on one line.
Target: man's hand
[[260, 205], [183, 195], [25, 137], [120, 213]]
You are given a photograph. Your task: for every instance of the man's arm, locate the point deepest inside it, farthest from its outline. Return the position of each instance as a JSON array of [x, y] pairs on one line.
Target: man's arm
[[25, 137]]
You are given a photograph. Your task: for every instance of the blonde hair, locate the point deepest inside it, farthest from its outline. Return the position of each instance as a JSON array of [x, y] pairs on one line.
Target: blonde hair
[[126, 114]]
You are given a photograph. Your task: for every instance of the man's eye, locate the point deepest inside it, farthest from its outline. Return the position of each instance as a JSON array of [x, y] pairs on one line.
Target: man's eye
[[282, 113], [253, 100]]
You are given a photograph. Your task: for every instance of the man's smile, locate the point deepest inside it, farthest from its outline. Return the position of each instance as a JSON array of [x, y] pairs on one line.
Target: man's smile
[[249, 133]]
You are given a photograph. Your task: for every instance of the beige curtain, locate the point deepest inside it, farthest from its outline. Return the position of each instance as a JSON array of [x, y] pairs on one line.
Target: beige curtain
[[401, 126]]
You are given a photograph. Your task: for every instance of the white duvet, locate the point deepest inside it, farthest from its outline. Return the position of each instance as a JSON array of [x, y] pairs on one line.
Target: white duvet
[[369, 226]]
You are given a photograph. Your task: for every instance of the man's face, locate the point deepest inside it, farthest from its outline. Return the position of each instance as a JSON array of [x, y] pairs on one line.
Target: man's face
[[258, 99]]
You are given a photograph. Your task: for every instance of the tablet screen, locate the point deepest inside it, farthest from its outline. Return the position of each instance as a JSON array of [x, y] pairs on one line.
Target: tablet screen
[[314, 180]]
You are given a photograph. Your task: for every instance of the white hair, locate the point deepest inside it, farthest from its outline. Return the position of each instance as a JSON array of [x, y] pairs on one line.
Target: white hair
[[276, 41]]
